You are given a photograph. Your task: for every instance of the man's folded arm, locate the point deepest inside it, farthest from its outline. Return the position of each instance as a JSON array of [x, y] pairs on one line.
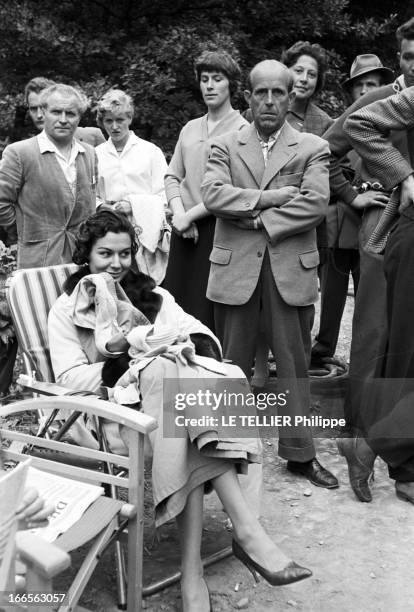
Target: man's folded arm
[[10, 183], [309, 207], [340, 145], [225, 200], [368, 130]]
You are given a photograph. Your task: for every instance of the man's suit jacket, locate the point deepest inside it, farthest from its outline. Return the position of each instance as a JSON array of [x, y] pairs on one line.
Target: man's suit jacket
[[233, 182], [369, 128], [91, 135], [35, 195]]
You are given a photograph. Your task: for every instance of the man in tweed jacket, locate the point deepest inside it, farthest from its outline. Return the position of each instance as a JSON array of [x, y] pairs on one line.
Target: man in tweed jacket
[[47, 183], [389, 421], [369, 319]]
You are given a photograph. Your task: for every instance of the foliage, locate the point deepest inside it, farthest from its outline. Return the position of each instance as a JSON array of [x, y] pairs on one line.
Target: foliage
[[148, 48]]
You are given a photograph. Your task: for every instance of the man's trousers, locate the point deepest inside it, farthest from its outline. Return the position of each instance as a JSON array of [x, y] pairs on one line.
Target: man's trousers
[[288, 333]]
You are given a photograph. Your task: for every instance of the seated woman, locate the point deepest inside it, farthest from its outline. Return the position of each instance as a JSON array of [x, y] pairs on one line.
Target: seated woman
[[131, 178], [181, 467]]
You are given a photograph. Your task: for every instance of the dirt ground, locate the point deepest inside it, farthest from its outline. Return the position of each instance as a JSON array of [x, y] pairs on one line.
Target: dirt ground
[[361, 555]]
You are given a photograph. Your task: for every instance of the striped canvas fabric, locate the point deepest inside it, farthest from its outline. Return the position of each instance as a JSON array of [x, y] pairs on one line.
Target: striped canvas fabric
[[31, 294]]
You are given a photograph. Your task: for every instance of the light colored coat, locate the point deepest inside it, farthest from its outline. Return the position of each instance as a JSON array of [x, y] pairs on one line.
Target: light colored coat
[[234, 180], [77, 362]]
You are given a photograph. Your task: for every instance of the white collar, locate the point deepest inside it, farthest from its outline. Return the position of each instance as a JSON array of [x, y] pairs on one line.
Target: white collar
[[133, 140], [46, 145], [401, 81]]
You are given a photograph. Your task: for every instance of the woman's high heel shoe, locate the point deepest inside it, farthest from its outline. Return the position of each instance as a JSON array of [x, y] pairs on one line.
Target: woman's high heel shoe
[[291, 573]]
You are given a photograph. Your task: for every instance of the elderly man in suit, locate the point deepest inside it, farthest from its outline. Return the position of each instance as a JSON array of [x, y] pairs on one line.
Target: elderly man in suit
[[389, 420], [32, 93], [267, 184], [47, 183]]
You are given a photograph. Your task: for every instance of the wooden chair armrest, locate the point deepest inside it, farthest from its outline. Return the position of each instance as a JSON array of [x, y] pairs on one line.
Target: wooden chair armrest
[[138, 421], [42, 557], [43, 388]]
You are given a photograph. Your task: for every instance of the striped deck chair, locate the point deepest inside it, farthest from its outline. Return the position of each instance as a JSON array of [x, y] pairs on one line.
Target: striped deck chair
[[31, 294]]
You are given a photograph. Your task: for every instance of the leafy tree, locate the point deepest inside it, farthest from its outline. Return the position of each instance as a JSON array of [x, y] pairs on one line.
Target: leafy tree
[[148, 48]]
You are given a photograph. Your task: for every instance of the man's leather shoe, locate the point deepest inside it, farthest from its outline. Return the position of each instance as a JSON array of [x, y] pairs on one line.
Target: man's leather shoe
[[360, 458], [405, 490], [314, 472]]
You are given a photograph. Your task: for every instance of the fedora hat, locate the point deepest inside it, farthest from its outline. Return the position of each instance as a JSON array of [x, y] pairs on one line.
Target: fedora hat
[[363, 64]]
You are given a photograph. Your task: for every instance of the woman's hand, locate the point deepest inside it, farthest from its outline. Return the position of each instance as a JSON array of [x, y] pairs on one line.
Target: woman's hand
[[124, 207], [191, 233], [33, 510], [117, 344], [181, 223]]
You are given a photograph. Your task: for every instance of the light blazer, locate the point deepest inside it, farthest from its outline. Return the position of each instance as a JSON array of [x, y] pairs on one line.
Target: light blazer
[[368, 129], [234, 179]]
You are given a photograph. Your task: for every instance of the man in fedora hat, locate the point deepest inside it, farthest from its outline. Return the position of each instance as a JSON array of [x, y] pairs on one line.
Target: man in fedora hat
[[367, 73], [343, 222], [369, 322]]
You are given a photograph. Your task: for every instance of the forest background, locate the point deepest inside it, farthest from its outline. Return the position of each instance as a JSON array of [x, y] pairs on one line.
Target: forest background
[[147, 47]]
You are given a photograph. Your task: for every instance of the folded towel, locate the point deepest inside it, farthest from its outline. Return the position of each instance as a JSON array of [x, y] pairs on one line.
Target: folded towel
[[99, 303]]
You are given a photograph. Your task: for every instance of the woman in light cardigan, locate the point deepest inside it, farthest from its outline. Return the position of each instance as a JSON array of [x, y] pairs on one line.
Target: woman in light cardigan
[[188, 267]]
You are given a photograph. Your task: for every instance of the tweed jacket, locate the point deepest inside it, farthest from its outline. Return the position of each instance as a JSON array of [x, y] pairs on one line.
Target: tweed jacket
[[339, 144], [368, 130], [315, 120], [234, 180], [35, 195]]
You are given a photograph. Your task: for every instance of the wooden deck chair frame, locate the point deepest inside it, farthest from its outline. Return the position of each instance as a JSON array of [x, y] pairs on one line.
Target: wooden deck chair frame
[[100, 523], [41, 560], [34, 291]]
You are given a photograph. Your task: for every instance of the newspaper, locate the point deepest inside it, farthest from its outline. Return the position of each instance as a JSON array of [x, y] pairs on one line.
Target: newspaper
[[69, 497]]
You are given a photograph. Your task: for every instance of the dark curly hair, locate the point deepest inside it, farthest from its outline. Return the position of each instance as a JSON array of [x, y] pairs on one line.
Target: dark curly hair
[[291, 55], [220, 61], [97, 226]]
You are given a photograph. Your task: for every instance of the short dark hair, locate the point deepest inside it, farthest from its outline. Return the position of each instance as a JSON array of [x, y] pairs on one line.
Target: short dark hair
[[36, 85], [303, 47], [220, 61], [405, 31], [97, 226]]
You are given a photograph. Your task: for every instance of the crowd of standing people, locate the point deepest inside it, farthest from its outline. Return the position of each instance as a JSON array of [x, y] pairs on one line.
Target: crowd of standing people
[[221, 252]]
